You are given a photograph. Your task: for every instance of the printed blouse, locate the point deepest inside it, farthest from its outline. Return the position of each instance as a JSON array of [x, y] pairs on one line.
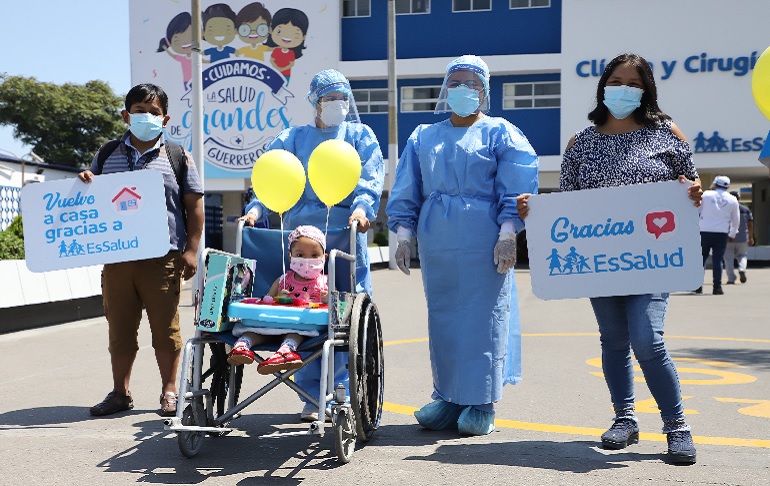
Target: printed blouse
[[650, 154], [307, 290]]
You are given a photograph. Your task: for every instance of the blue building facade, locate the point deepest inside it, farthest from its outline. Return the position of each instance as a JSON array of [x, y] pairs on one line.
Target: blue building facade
[[440, 29]]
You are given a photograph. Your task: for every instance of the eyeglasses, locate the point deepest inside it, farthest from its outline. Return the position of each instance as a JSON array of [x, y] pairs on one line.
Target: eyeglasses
[[245, 29], [471, 83], [334, 97]]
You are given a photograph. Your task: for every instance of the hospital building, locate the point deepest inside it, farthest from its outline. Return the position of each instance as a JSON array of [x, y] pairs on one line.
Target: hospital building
[[546, 57]]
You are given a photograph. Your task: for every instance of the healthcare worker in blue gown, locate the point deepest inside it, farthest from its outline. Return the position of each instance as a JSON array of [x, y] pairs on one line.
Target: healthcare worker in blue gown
[[455, 190], [335, 117]]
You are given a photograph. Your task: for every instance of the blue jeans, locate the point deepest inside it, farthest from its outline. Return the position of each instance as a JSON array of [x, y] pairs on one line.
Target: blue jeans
[[716, 243], [636, 322]]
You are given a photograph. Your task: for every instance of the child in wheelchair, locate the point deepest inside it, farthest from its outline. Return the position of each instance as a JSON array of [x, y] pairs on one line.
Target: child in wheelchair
[[303, 283]]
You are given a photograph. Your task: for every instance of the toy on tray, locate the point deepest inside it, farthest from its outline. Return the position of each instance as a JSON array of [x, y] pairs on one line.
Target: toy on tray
[[283, 301]]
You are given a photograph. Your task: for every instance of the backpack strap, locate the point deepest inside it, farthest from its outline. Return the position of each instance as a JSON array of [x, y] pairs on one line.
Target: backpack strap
[[104, 152], [178, 160]]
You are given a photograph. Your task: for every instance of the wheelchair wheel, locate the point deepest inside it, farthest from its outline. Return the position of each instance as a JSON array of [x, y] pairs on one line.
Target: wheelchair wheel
[[366, 366], [344, 435], [190, 443]]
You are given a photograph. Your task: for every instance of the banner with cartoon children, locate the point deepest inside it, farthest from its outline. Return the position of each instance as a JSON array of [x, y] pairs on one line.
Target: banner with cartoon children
[[258, 59], [628, 240]]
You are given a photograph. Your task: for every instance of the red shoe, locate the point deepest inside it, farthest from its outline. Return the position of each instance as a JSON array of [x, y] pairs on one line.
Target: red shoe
[[240, 355], [280, 361]]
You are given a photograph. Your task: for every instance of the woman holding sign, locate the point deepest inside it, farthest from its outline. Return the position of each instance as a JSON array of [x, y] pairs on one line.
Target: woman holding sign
[[336, 124], [633, 142], [456, 187]]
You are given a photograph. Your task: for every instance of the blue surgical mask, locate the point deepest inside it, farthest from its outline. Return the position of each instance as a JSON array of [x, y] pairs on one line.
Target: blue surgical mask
[[462, 100], [622, 100], [145, 126]]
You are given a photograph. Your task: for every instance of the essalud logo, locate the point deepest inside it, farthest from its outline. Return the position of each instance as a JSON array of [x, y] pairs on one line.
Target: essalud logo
[[245, 107]]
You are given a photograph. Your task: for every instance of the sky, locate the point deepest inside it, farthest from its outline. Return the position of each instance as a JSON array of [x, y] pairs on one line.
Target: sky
[[59, 42]]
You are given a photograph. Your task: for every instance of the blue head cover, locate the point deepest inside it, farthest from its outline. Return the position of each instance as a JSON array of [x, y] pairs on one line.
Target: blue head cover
[[325, 82], [469, 62]]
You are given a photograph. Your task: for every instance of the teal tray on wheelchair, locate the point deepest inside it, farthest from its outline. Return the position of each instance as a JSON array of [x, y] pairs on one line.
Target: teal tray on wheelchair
[[279, 316]]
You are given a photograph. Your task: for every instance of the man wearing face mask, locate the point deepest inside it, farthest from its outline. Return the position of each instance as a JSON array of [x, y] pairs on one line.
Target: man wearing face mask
[[335, 117], [152, 284], [456, 189]]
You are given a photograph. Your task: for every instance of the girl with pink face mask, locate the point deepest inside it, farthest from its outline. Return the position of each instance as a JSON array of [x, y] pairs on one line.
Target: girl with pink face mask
[[305, 282]]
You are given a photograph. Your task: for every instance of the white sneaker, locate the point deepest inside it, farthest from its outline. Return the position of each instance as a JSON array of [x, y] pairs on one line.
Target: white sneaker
[[310, 414]]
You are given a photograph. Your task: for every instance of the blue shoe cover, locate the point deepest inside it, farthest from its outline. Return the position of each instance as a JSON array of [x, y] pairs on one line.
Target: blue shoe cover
[[475, 422], [438, 415]]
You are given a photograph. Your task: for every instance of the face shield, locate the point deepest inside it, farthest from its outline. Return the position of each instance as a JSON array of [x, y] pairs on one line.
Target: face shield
[[332, 99], [466, 87], [335, 107]]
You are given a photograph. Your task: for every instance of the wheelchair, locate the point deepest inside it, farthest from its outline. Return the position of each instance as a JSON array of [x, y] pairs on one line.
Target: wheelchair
[[209, 395]]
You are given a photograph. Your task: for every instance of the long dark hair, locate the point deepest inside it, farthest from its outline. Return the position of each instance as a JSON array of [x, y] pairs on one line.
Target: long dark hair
[[178, 24], [292, 16], [648, 113]]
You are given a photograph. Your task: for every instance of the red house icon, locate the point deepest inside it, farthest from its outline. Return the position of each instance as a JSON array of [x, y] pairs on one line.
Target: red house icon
[[126, 199]]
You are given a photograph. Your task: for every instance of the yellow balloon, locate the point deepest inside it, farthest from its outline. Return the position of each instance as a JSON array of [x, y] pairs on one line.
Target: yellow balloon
[[278, 179], [333, 170], [760, 83]]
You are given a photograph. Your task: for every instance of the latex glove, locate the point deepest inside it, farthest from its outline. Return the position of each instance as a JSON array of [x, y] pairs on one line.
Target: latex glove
[[404, 253], [505, 252]]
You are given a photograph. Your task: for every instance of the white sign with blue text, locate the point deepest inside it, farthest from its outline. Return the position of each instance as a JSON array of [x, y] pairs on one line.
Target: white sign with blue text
[[116, 218], [626, 240]]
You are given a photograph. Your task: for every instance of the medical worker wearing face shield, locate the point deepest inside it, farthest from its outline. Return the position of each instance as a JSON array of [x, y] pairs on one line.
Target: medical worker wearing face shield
[[336, 117], [456, 188]]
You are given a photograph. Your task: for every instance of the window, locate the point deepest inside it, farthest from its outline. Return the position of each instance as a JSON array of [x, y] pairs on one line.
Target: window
[[419, 98], [371, 100], [471, 5], [412, 6], [529, 3], [356, 8], [542, 94]]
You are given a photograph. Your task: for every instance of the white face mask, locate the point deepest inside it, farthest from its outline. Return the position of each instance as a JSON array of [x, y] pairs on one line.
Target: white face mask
[[333, 113], [308, 268]]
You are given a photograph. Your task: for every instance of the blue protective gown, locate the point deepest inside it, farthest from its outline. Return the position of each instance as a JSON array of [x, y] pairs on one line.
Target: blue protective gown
[[454, 187], [301, 141]]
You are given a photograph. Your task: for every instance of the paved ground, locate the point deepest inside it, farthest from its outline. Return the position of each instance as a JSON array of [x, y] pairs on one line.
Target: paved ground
[[547, 426]]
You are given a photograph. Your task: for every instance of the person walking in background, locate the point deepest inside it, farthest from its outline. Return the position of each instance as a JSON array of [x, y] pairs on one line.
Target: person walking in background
[[633, 141], [455, 189], [738, 248], [719, 220]]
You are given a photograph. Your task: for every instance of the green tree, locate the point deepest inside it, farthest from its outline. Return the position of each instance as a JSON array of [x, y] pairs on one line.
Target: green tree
[[11, 247], [65, 124], [16, 227]]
